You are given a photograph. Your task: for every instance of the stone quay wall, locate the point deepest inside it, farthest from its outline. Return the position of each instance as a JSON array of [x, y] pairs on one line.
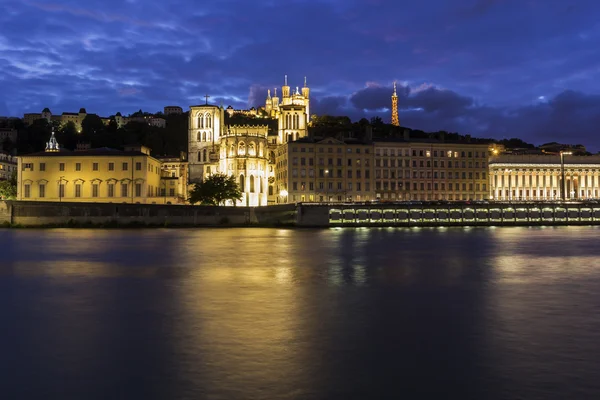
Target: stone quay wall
[[31, 213], [492, 214]]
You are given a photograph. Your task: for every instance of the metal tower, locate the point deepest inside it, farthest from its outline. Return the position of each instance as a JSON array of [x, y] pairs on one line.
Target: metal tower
[[395, 120]]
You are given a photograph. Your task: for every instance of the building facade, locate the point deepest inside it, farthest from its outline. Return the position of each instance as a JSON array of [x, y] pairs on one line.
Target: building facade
[[541, 177], [174, 179], [76, 118], [95, 175], [173, 110], [8, 133], [429, 170], [325, 170], [245, 151], [8, 165]]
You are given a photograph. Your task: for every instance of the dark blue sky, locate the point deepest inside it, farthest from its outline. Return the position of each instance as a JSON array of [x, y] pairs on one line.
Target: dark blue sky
[[500, 68]]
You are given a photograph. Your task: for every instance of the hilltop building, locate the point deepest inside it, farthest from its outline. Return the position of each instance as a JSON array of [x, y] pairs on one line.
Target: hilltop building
[[246, 151], [173, 110]]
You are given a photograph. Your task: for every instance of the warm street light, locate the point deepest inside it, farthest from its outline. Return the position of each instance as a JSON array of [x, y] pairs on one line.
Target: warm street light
[[562, 173], [283, 194]]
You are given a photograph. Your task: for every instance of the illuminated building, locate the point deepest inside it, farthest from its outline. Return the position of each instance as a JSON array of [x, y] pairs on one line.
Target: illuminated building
[[245, 151], [428, 169], [540, 177], [174, 178], [324, 170], [93, 175], [8, 165], [395, 120], [66, 117]]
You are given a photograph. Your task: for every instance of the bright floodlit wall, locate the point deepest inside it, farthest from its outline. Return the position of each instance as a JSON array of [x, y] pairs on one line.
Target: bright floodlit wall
[[540, 177], [89, 176], [408, 170], [244, 154]]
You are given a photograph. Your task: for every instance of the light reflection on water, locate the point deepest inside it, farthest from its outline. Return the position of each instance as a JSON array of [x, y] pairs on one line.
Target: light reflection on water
[[276, 313]]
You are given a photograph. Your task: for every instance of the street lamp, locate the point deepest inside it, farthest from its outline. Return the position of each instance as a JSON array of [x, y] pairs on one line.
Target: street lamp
[[326, 186], [562, 173], [283, 193]]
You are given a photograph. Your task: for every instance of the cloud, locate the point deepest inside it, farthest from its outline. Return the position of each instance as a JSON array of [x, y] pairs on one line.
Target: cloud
[[482, 78]]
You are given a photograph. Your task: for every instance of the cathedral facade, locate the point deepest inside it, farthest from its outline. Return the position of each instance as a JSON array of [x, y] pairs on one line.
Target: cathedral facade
[[246, 151]]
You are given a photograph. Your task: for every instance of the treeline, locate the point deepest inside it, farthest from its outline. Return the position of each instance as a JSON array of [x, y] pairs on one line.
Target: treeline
[[331, 126], [163, 141], [174, 138]]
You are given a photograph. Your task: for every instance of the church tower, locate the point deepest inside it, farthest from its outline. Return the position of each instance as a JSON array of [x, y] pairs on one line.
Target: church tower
[[305, 94], [395, 120], [204, 135], [285, 93]]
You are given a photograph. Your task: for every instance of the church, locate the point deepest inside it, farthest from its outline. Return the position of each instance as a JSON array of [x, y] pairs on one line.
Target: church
[[247, 151]]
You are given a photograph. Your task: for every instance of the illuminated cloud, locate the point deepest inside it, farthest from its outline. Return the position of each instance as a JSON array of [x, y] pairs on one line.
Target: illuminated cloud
[[457, 65]]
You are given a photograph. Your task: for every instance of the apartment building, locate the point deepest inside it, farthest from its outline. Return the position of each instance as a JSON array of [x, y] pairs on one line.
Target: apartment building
[[324, 170], [429, 169]]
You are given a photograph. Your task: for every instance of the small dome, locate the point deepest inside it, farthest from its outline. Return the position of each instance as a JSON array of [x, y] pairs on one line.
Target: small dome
[[82, 111], [118, 114], [46, 110]]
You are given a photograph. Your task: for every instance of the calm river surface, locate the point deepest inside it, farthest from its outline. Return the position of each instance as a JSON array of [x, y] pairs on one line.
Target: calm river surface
[[480, 313]]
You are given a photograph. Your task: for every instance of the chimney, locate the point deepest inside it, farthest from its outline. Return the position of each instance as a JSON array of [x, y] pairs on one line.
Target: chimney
[[407, 135], [468, 138], [442, 136]]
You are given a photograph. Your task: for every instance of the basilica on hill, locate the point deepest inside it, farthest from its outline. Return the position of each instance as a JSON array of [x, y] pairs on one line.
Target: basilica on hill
[[247, 151]]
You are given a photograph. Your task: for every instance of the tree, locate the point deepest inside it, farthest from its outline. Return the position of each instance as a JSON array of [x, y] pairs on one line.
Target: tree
[[8, 188], [216, 190], [92, 125]]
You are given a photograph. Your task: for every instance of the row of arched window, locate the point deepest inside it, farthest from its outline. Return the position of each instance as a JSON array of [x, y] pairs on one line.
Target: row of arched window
[[242, 150], [202, 156], [204, 136], [204, 120], [292, 121], [252, 183]]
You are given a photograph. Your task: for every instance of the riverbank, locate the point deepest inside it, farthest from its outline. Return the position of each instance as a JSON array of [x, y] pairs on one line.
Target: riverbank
[[109, 215], [23, 214]]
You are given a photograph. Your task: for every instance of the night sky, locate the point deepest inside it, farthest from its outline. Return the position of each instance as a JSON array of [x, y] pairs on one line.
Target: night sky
[[492, 68]]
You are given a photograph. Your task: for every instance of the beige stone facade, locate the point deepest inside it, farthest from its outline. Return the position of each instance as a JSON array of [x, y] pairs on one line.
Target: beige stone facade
[[327, 170], [431, 170], [540, 177], [94, 175]]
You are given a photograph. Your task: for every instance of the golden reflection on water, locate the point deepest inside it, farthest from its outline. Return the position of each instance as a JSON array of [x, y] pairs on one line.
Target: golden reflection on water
[[241, 313]]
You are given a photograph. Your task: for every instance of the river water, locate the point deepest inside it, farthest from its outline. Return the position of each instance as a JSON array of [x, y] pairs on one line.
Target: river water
[[480, 313]]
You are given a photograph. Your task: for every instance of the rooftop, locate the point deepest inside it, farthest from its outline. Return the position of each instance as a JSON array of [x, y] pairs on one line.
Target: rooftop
[[101, 151]]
